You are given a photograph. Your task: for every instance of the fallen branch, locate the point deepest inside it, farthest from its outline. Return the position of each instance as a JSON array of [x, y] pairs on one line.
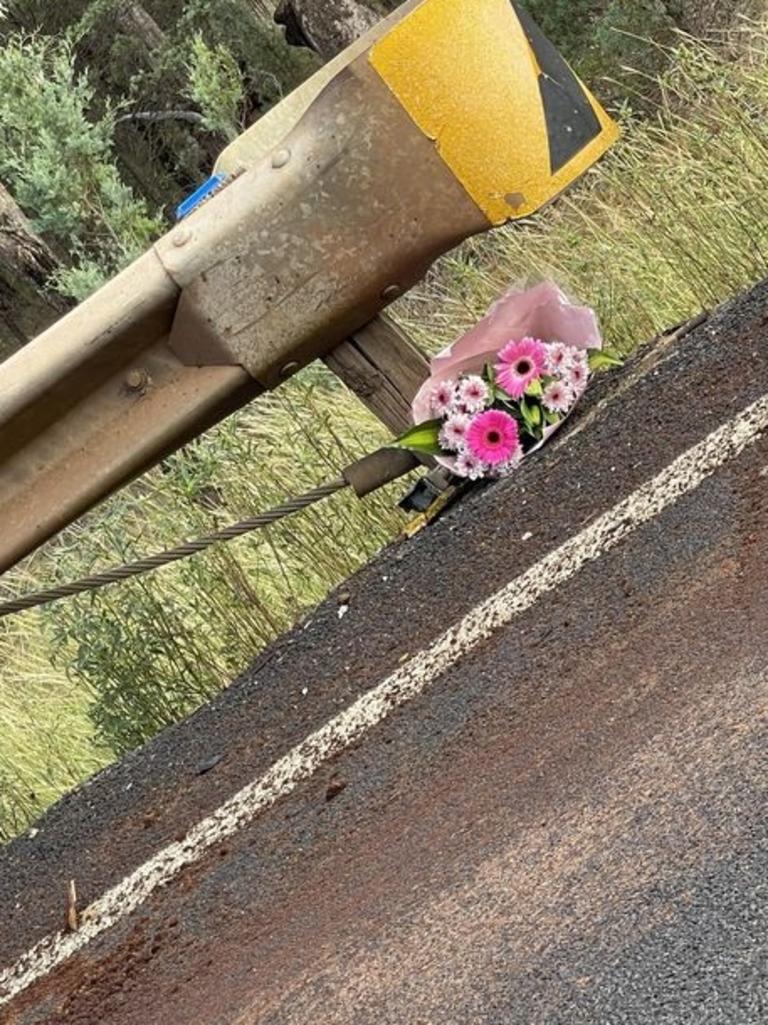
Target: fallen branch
[[155, 116]]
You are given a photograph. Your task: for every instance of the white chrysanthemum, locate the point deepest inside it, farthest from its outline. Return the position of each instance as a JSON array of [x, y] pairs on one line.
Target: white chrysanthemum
[[473, 393], [559, 358], [443, 398], [454, 432], [558, 397], [578, 378], [509, 467], [470, 467]]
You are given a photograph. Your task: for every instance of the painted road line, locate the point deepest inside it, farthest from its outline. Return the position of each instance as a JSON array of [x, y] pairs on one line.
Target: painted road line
[[678, 479]]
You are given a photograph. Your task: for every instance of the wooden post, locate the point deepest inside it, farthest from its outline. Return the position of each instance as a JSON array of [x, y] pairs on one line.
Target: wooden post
[[380, 363], [384, 368]]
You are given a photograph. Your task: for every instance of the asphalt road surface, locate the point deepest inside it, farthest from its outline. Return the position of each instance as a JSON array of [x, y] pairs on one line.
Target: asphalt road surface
[[521, 781]]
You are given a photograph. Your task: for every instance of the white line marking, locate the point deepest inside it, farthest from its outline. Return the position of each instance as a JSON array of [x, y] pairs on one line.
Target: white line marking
[[680, 478]]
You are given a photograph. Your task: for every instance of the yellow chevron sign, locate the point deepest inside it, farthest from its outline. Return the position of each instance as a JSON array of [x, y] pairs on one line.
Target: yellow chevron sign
[[508, 116]]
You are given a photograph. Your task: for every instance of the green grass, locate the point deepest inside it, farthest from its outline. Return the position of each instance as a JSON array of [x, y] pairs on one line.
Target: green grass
[[676, 219]]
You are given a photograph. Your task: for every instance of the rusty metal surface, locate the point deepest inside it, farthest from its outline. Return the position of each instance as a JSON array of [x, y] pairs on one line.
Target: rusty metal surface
[[568, 827], [276, 271], [308, 246], [266, 134], [96, 400]]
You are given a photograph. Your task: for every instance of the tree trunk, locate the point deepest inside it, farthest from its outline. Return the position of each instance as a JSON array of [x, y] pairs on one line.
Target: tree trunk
[[264, 9], [326, 26], [134, 20], [27, 305], [146, 152]]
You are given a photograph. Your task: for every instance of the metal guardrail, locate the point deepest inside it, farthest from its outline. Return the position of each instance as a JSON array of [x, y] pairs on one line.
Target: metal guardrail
[[446, 120]]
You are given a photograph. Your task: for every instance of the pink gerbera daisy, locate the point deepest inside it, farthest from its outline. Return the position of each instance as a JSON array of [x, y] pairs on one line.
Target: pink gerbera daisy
[[443, 397], [558, 397], [578, 377], [468, 466], [473, 393], [493, 437], [519, 364], [454, 431]]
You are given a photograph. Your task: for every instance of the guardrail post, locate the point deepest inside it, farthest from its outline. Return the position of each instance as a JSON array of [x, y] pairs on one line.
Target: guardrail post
[[384, 368]]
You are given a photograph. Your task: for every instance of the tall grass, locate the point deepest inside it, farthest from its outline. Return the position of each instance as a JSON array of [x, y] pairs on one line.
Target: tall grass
[[674, 220]]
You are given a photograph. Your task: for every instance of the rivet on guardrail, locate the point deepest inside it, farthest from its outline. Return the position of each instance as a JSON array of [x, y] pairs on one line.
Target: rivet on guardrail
[[181, 237], [281, 158], [137, 380]]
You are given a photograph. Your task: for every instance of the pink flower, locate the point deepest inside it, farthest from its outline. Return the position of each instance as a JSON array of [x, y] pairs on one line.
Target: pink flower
[[454, 432], [519, 364], [493, 437], [442, 398], [468, 466], [505, 469], [473, 393], [558, 397], [560, 358], [578, 377]]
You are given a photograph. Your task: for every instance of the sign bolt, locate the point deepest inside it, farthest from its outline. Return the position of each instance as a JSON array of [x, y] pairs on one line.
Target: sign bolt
[[281, 158], [137, 380]]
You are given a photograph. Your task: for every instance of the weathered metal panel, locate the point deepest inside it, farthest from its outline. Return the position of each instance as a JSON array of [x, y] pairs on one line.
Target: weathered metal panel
[[432, 128], [313, 242]]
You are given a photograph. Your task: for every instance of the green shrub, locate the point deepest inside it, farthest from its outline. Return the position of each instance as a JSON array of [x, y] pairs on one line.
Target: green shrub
[[60, 165], [216, 86]]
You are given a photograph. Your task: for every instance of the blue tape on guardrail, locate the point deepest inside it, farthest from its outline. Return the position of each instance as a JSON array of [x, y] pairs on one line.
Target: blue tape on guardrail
[[206, 190]]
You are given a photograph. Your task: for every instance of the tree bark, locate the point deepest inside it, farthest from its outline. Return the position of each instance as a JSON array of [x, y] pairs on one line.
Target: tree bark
[[27, 305], [134, 20], [264, 9], [326, 26]]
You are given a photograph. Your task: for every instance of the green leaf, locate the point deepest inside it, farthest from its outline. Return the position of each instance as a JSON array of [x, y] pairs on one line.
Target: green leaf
[[551, 417], [604, 359], [531, 411], [423, 438], [490, 377], [532, 417], [535, 389]]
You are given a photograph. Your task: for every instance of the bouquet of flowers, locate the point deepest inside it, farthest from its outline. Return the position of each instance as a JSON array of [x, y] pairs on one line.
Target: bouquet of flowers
[[501, 391]]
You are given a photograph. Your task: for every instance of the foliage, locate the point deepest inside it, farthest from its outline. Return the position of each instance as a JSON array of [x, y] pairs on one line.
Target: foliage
[[60, 164], [615, 45], [216, 87], [47, 742], [268, 67], [151, 651]]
